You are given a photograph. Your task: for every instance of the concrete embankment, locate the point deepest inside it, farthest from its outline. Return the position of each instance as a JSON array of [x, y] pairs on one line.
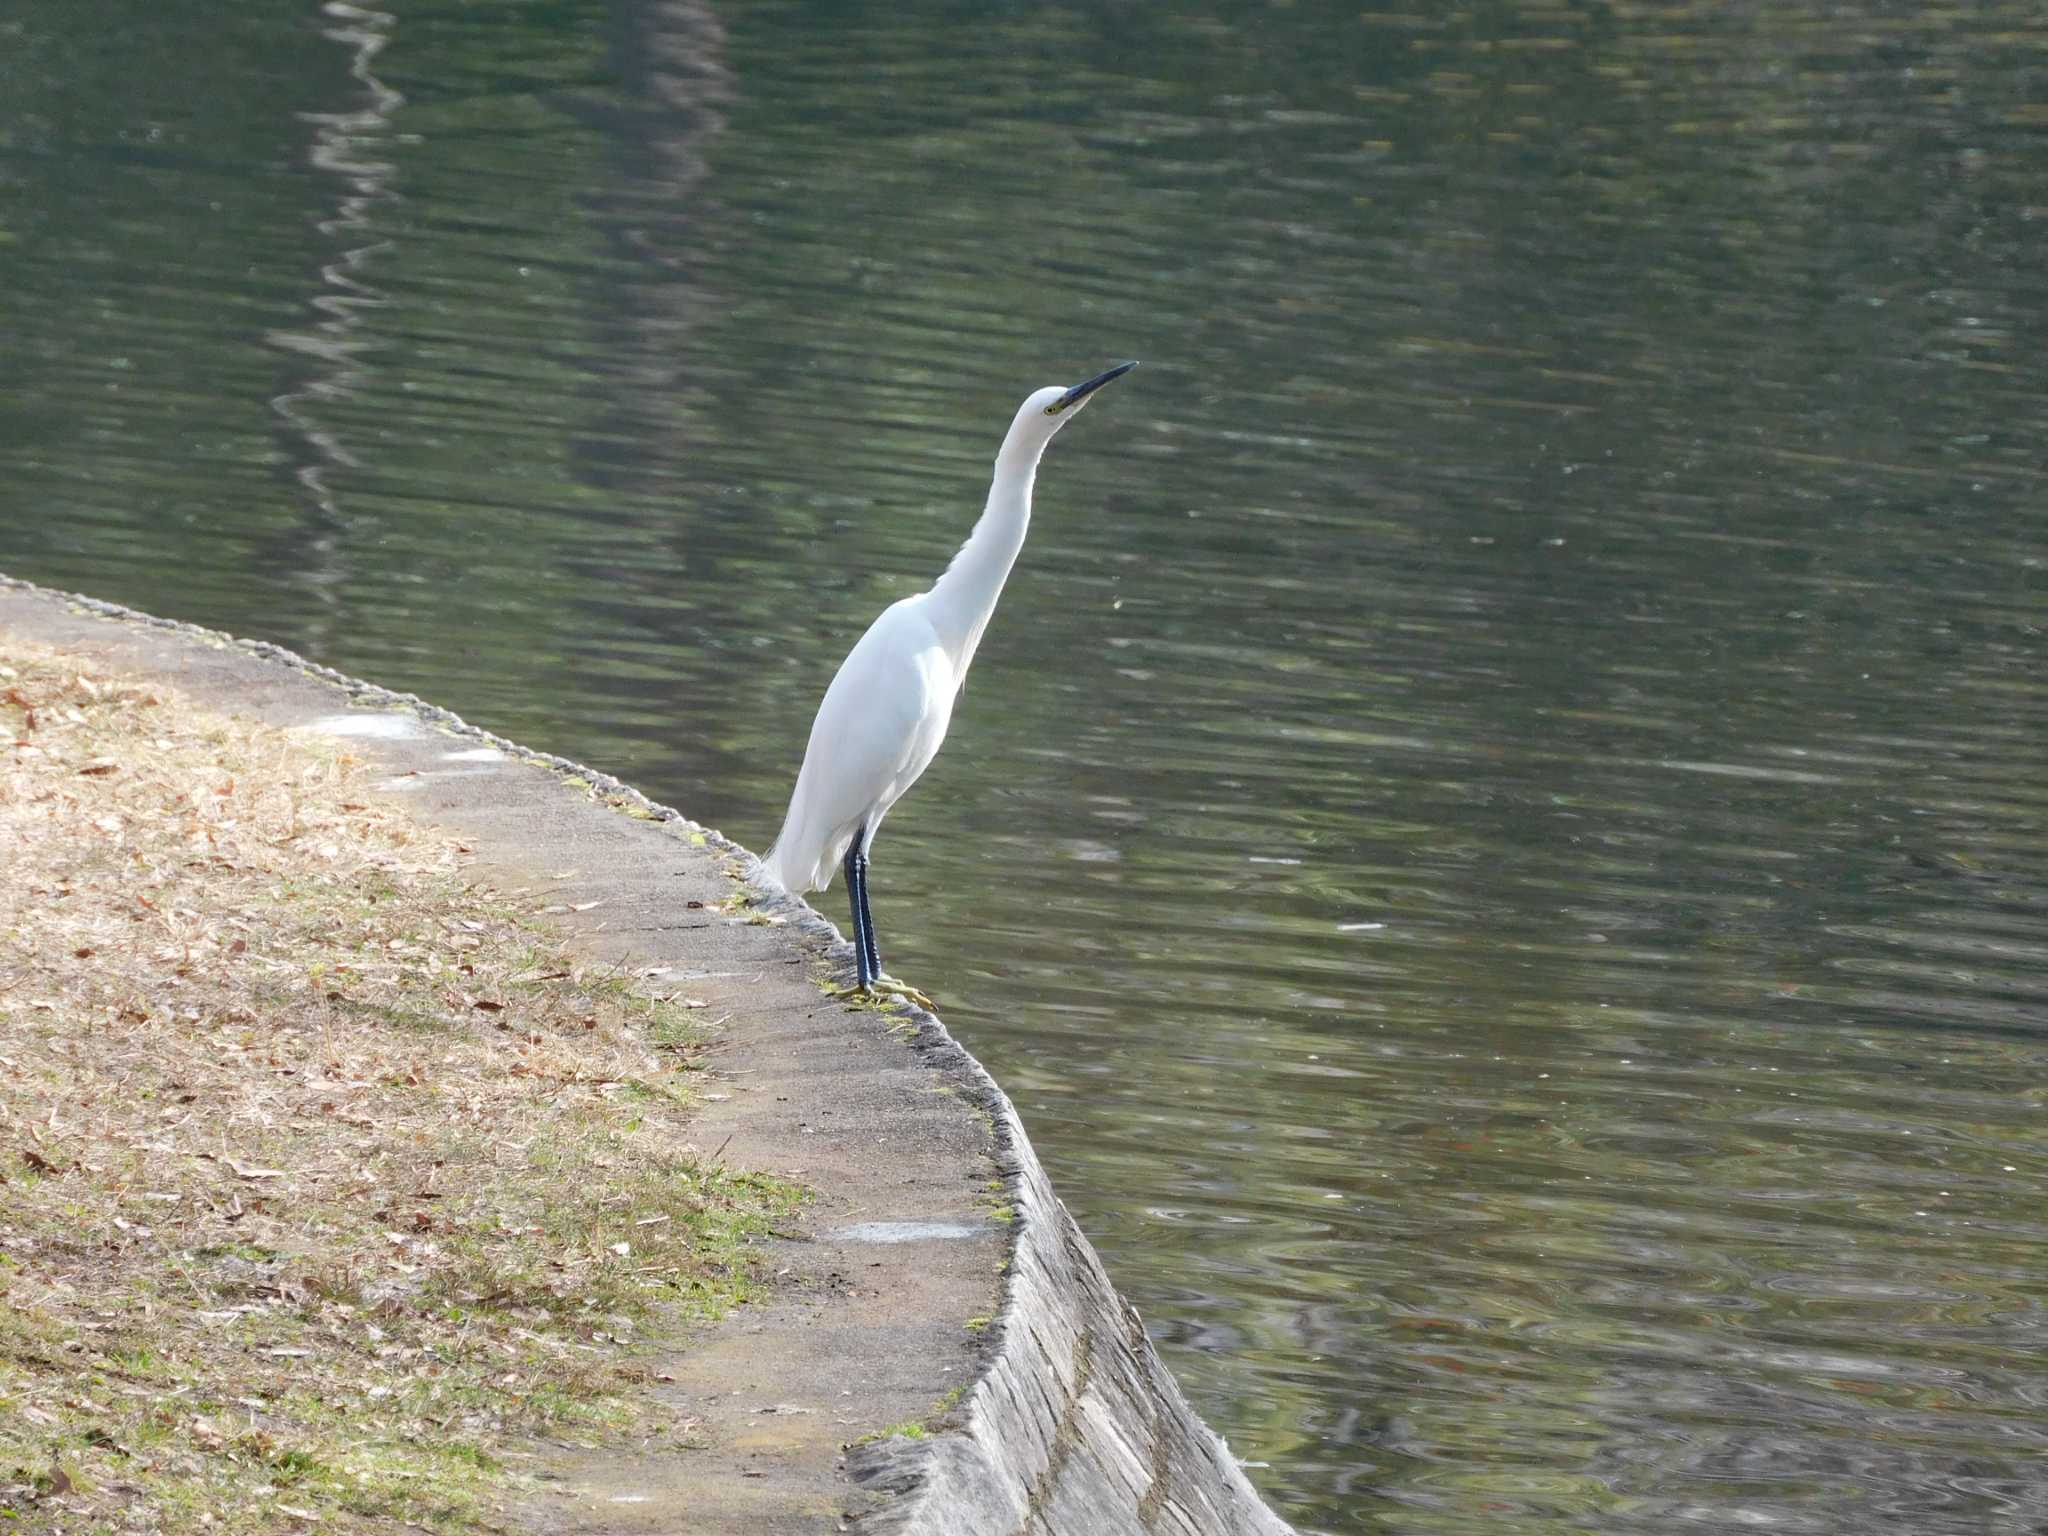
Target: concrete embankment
[[1057, 1420]]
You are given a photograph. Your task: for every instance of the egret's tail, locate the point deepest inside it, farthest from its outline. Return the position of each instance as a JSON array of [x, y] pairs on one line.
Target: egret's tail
[[790, 867], [797, 863], [806, 855]]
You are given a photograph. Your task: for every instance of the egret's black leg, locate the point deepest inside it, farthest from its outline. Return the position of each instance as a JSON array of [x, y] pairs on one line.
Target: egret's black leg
[[856, 891], [867, 924], [867, 957]]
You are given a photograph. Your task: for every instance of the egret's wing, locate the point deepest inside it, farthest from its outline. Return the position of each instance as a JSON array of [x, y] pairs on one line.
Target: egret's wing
[[878, 728]]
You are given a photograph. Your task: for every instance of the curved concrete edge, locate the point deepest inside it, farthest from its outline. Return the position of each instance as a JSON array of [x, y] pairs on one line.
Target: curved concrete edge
[[1074, 1427], [1077, 1428]]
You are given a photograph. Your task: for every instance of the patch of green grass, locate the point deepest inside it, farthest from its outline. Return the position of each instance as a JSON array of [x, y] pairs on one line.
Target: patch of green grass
[[917, 1429], [909, 1429], [995, 1201]]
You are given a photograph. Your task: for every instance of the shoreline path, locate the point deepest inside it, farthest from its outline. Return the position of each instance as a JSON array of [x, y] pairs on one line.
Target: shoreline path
[[931, 1214]]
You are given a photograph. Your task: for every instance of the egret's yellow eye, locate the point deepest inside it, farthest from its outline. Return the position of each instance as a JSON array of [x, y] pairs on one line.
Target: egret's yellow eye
[[1053, 409]]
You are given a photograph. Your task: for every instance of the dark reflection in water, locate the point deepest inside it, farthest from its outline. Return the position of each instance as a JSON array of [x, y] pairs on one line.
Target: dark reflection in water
[[1498, 838]]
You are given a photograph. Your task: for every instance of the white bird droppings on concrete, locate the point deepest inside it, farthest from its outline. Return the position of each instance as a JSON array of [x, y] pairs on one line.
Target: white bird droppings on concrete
[[905, 1231], [384, 726], [415, 780]]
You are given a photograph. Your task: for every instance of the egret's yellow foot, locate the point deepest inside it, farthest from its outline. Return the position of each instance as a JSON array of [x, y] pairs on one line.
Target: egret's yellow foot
[[883, 986], [891, 987]]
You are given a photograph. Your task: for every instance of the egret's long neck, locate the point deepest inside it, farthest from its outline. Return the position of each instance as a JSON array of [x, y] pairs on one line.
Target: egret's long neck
[[965, 596]]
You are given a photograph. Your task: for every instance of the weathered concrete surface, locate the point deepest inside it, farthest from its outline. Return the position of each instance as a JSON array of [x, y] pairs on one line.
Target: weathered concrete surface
[[1069, 1424]]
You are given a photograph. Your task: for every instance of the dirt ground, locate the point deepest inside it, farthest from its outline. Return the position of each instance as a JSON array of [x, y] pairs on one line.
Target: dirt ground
[[332, 1182]]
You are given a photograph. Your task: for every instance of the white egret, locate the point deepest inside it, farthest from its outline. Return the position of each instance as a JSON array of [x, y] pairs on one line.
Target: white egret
[[887, 710]]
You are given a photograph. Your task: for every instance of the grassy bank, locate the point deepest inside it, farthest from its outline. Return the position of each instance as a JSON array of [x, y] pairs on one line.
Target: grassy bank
[[331, 1186]]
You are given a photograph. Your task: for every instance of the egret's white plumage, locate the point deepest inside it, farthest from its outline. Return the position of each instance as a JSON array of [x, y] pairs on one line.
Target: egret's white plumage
[[886, 713], [869, 743]]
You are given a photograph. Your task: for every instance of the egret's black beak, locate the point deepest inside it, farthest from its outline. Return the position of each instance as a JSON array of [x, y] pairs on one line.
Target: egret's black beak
[[1081, 392]]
